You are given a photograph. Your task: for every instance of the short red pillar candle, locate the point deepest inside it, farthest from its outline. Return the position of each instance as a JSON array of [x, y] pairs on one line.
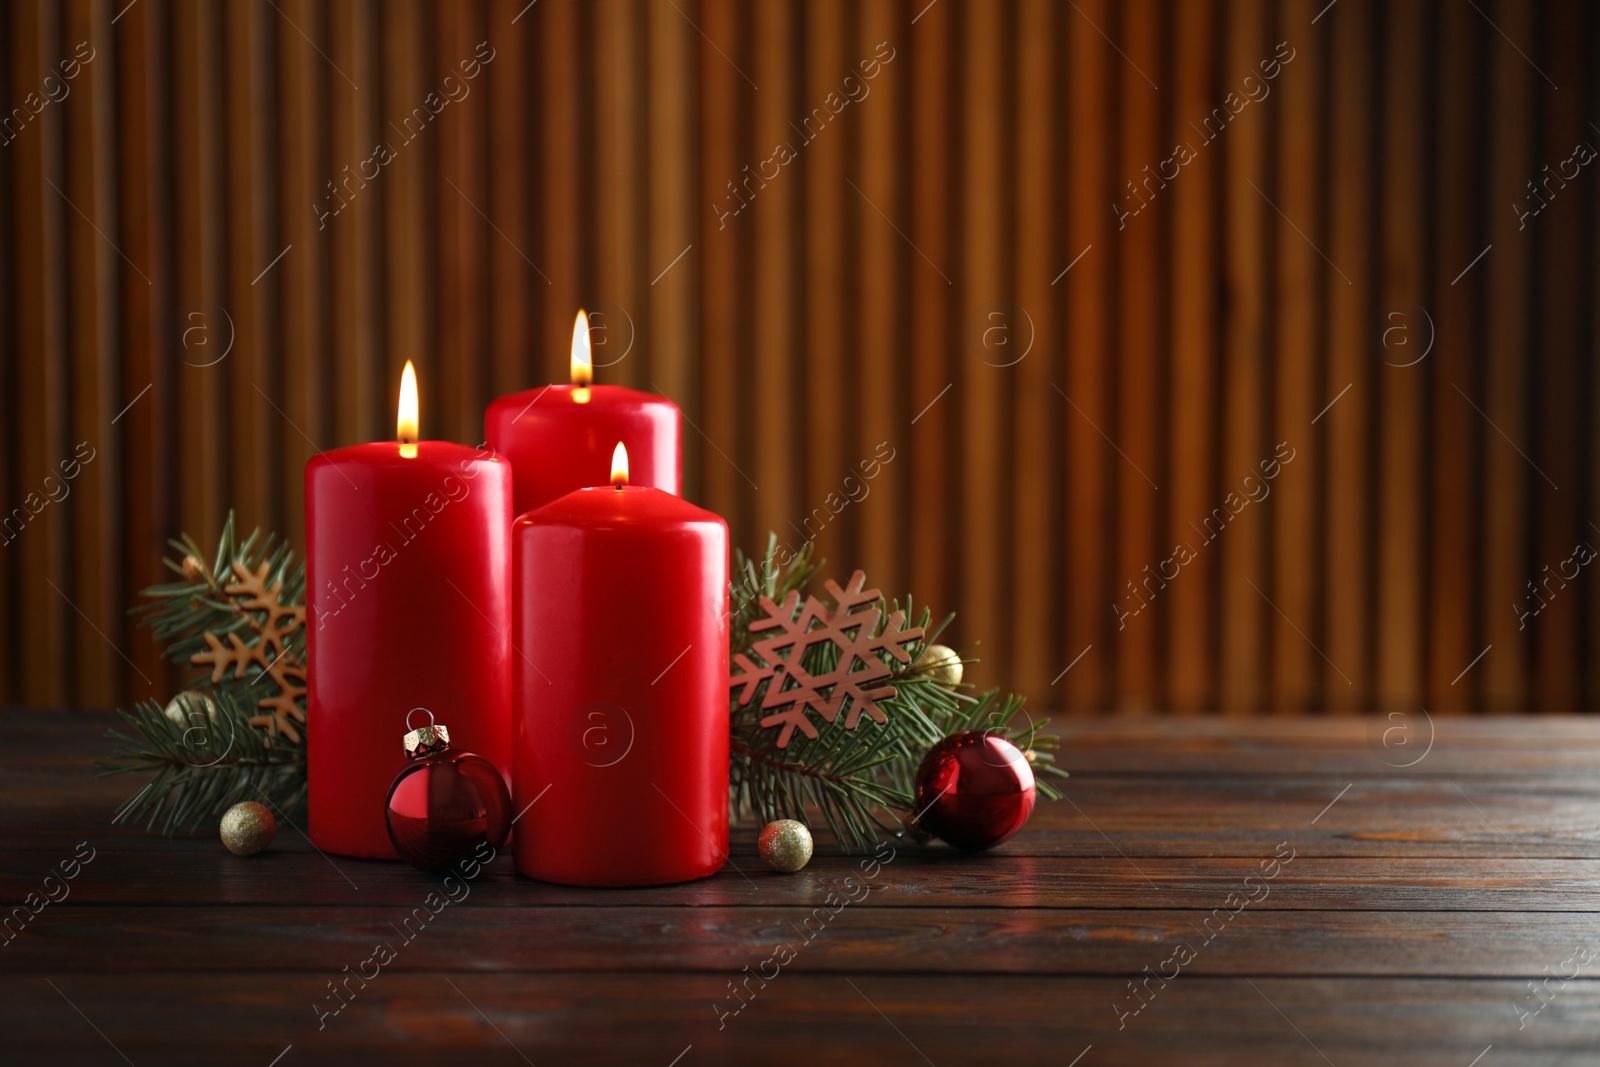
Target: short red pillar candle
[[560, 437], [407, 562], [621, 701]]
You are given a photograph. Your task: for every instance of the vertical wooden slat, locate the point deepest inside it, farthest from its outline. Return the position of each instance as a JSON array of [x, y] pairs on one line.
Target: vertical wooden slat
[[1401, 568], [1242, 539], [458, 136], [248, 314], [927, 53], [1507, 603], [516, 288], [39, 540], [1591, 445], [1190, 600], [1141, 394], [200, 444], [674, 208], [982, 386], [724, 229], [884, 411], [828, 367], [771, 219], [1346, 427], [143, 422], [1297, 665], [95, 581], [352, 236], [597, 151], [409, 202], [1090, 589], [564, 222], [300, 279], [1457, 428], [1036, 570], [1557, 362], [10, 432], [617, 141]]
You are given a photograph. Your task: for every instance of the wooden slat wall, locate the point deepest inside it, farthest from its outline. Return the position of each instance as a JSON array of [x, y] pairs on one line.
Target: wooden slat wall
[[178, 203]]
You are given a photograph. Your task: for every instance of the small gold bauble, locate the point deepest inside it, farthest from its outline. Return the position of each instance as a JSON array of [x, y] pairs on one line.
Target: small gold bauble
[[185, 709], [193, 567], [248, 828], [785, 845], [941, 662]]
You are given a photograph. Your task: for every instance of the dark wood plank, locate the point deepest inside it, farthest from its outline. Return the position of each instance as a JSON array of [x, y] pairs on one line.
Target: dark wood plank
[[406, 1018], [842, 938], [199, 873]]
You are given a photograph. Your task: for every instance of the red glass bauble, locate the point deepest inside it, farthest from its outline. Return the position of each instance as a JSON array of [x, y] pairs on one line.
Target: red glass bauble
[[445, 803], [974, 790]]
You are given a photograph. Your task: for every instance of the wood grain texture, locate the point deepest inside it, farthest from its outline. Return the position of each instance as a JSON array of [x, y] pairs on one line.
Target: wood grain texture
[[619, 155], [417, 1018], [1409, 918]]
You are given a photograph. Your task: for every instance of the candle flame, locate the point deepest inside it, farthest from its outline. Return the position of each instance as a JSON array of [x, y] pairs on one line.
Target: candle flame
[[619, 466], [582, 360], [406, 422]]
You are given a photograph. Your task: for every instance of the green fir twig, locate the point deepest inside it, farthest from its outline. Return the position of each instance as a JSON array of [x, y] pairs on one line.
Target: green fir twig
[[207, 756], [859, 782]]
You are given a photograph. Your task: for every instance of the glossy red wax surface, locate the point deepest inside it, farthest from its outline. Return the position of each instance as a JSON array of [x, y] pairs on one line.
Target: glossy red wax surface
[[406, 578], [556, 444], [621, 698]]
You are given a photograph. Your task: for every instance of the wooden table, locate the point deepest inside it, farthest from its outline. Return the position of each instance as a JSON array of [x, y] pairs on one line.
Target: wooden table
[[1417, 892]]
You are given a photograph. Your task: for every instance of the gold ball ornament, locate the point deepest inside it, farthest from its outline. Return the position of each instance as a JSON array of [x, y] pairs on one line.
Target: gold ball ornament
[[186, 709], [785, 845], [193, 567], [941, 662], [248, 828]]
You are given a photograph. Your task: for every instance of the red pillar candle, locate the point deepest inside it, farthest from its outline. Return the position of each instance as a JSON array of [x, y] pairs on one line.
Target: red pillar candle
[[621, 703], [407, 576], [560, 437]]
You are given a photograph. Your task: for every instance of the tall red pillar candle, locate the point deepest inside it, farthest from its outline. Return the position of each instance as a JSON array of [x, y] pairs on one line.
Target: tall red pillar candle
[[407, 564], [560, 437], [621, 703]]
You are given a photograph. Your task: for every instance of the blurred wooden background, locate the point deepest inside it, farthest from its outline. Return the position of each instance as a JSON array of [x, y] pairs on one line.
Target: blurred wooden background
[[1067, 394]]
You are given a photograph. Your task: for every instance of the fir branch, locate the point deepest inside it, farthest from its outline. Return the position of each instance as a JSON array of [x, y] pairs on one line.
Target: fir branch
[[202, 761], [181, 612], [860, 782], [200, 765]]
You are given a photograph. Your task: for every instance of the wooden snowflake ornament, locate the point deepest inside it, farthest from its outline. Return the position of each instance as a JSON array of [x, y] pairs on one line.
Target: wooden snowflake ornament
[[266, 651], [851, 686]]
